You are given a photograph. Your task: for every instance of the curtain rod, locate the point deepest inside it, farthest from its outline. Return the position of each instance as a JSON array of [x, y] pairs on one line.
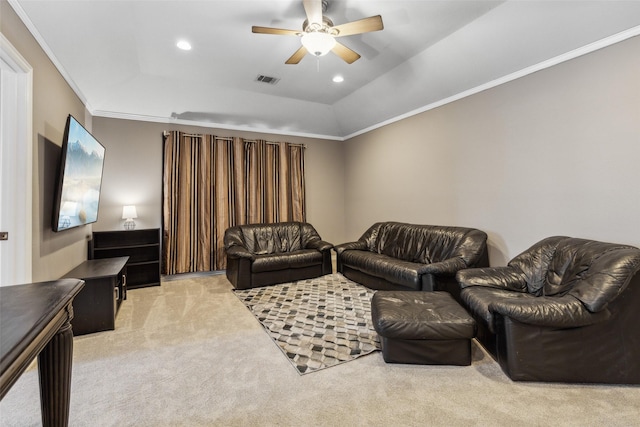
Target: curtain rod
[[229, 138], [274, 143]]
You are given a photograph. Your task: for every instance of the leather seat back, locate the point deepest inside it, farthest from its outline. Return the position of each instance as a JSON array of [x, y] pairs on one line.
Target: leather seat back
[[591, 271], [266, 239], [425, 244]]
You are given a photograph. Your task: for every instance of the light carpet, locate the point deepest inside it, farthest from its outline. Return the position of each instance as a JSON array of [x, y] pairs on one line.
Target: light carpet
[[317, 323], [189, 354]]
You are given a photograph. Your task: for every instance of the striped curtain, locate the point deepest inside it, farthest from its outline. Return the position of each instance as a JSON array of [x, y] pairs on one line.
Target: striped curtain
[[212, 183]]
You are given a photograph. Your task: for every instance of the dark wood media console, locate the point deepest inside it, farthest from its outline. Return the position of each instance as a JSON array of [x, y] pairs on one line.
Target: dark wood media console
[[96, 306], [141, 246]]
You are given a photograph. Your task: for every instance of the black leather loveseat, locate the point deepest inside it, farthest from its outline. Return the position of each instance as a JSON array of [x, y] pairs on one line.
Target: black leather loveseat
[[398, 256], [565, 309], [265, 254]]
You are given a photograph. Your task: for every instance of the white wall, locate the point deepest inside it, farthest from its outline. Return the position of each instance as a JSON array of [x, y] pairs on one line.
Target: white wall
[[552, 153]]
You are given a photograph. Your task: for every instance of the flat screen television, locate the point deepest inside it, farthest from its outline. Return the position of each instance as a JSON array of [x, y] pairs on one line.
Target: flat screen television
[[79, 178]]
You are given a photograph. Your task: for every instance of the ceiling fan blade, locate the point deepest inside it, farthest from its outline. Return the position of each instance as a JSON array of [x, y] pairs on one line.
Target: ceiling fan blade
[[366, 25], [347, 55], [313, 9], [297, 56], [278, 31]]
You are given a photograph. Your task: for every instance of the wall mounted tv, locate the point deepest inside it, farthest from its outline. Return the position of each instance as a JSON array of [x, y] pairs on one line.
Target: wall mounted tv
[[79, 178]]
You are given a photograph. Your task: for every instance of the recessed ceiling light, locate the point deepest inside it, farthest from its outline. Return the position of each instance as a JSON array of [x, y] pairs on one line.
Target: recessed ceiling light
[[184, 45], [338, 79]]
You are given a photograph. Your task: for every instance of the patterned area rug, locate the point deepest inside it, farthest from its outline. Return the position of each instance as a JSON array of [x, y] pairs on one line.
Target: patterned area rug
[[317, 323]]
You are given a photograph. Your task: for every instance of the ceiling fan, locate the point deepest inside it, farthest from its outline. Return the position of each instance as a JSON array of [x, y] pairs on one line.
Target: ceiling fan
[[318, 35]]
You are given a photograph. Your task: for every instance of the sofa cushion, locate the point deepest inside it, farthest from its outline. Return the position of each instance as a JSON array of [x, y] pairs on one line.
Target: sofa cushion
[[403, 242], [420, 316], [264, 239], [392, 270], [425, 244], [591, 271], [571, 260], [478, 299], [533, 264], [548, 311], [608, 276], [581, 264], [280, 261]]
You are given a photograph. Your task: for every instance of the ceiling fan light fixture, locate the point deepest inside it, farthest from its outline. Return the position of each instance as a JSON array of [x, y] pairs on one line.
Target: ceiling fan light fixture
[[183, 45], [318, 43], [318, 33]]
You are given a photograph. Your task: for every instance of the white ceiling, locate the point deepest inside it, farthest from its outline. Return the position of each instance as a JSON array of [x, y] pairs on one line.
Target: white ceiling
[[120, 56]]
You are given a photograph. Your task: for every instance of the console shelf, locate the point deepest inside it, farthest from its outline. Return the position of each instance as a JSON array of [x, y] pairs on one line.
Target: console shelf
[[141, 246], [97, 304]]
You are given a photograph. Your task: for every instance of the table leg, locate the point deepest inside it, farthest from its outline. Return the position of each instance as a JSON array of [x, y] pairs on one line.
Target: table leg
[[54, 369]]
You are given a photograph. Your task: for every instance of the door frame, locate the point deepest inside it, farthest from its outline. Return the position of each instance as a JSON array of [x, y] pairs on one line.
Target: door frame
[[16, 146]]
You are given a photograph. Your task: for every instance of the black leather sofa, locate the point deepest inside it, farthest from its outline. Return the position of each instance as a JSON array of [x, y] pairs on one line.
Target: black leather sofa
[[266, 254], [399, 256], [565, 310]]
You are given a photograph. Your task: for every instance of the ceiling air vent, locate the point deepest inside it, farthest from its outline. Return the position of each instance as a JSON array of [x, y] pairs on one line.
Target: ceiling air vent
[[267, 79]]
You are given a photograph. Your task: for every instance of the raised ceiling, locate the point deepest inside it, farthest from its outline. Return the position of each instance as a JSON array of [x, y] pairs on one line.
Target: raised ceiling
[[122, 60]]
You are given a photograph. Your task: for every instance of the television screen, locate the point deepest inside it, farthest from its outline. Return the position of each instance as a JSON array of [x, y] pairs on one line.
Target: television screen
[[79, 178]]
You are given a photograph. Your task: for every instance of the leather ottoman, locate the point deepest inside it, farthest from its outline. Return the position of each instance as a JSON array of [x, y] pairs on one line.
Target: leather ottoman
[[428, 328]]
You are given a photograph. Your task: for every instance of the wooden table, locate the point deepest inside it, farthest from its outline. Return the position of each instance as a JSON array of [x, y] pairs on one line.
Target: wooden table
[[35, 321]]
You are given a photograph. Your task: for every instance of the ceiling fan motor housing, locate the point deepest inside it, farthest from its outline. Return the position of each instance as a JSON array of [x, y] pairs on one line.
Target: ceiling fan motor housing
[[325, 27]]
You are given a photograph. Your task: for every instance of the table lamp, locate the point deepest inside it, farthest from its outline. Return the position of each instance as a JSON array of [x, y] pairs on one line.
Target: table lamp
[[128, 213]]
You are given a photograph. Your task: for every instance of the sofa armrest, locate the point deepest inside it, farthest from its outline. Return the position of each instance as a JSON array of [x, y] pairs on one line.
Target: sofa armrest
[[448, 267], [359, 246], [239, 252], [319, 245], [553, 312], [507, 278]]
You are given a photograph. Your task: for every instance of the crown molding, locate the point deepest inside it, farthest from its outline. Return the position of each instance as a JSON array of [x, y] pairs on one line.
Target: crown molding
[[47, 50], [158, 119], [592, 47], [600, 44]]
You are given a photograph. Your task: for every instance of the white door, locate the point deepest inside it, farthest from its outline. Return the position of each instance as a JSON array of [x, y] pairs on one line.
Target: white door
[[16, 166]]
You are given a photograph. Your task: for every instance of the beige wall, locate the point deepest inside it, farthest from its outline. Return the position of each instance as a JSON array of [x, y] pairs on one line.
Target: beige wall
[[53, 253], [552, 153], [133, 174], [555, 152]]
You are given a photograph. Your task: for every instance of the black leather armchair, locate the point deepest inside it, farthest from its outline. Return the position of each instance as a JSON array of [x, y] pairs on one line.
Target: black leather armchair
[[266, 254], [564, 310]]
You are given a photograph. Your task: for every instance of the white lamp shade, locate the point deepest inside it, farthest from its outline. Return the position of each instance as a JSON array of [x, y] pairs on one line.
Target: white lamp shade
[[318, 43], [129, 212]]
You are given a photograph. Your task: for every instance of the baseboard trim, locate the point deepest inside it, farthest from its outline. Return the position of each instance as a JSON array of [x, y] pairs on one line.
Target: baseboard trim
[[181, 276]]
